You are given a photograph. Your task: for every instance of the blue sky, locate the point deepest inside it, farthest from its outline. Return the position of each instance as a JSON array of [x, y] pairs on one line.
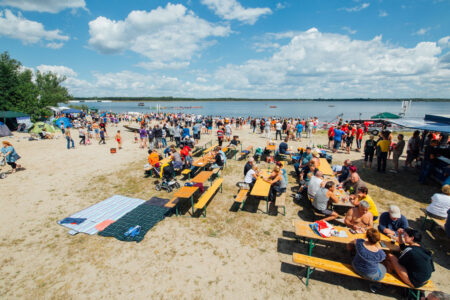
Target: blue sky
[[235, 48]]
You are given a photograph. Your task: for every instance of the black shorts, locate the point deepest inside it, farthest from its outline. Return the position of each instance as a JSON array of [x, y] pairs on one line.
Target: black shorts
[[197, 136], [349, 141], [330, 138], [368, 156]]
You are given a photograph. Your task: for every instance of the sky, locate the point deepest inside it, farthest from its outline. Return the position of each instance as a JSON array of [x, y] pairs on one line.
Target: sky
[[235, 48]]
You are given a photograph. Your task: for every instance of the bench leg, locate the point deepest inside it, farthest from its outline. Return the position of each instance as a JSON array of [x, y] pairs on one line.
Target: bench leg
[[204, 212], [176, 210], [284, 210], [312, 244], [309, 271], [414, 293], [424, 222], [192, 203]]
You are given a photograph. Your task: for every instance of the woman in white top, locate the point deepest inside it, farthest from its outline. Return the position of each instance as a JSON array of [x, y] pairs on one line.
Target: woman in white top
[[440, 203], [251, 176]]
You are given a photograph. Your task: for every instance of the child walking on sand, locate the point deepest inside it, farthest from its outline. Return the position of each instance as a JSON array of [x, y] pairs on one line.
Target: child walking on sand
[[102, 136], [119, 139]]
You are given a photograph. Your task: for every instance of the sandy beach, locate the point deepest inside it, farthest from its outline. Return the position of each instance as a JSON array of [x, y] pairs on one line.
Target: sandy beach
[[227, 255]]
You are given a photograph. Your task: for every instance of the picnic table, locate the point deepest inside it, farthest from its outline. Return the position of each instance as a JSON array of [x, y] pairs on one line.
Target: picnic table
[[187, 192], [262, 188], [202, 162], [165, 160], [271, 147], [343, 197], [202, 177], [303, 230], [210, 148], [325, 167]]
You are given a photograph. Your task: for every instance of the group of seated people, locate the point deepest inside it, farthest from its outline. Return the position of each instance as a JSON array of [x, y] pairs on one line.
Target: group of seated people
[[413, 266], [277, 178]]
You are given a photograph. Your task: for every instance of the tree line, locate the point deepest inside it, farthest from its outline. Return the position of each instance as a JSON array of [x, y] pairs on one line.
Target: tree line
[[21, 90]]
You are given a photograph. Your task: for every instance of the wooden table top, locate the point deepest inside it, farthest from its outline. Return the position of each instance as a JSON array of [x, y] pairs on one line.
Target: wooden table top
[[210, 148], [303, 229], [202, 177], [325, 167], [261, 187], [202, 161], [186, 192], [165, 160]]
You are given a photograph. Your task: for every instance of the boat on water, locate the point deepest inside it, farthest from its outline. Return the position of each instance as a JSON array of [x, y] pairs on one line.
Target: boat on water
[[273, 106], [331, 105], [141, 104]]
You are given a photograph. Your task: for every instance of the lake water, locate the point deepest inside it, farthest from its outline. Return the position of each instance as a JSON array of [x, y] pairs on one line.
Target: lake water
[[324, 110]]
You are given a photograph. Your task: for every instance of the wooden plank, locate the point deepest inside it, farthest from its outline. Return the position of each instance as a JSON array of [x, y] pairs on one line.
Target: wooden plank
[[302, 229], [439, 222], [261, 188], [325, 167], [186, 171], [241, 196], [186, 192], [210, 148], [346, 269], [202, 177], [208, 194]]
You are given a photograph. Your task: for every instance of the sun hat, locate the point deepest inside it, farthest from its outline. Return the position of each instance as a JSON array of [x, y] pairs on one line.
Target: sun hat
[[315, 154], [394, 211]]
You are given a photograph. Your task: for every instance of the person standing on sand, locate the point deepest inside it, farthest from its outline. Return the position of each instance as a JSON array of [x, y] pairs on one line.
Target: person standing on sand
[[102, 136], [69, 138], [119, 139], [10, 155]]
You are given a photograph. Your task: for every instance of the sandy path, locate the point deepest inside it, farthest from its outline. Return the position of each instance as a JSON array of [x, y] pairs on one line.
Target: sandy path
[[227, 255]]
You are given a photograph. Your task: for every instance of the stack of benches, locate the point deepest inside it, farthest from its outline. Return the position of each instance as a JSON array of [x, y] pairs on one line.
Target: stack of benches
[[246, 152]]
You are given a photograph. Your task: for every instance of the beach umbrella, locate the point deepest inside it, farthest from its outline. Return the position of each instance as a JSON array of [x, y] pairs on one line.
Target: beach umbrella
[[385, 115], [65, 121]]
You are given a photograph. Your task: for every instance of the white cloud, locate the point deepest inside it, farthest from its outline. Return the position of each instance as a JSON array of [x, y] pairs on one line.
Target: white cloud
[[315, 64], [59, 70], [444, 42], [165, 34], [356, 8], [54, 45], [159, 65], [422, 31], [201, 79], [51, 6], [281, 5], [233, 10], [349, 30], [382, 14], [29, 32]]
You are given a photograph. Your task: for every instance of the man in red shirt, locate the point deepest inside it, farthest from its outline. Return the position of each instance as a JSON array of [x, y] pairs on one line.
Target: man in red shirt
[[330, 136], [220, 136], [359, 136]]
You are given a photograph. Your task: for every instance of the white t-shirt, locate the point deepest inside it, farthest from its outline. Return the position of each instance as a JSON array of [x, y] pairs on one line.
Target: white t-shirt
[[249, 176], [278, 126], [314, 185], [439, 206]]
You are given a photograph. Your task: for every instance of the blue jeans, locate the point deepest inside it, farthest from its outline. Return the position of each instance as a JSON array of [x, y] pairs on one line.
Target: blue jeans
[[296, 167], [381, 272], [164, 142], [298, 134], [278, 132], [69, 139], [426, 168]]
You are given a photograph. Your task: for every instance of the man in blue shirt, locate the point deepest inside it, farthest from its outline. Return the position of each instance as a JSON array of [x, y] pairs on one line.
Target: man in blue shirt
[[196, 132], [186, 132], [283, 148], [299, 128], [338, 134], [392, 221], [303, 161]]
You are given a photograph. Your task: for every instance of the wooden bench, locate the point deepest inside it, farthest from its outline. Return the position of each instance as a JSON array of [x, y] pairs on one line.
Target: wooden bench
[[241, 197], [204, 199], [284, 157], [216, 172], [246, 152], [210, 149], [281, 202], [186, 173], [197, 151], [346, 269], [434, 221]]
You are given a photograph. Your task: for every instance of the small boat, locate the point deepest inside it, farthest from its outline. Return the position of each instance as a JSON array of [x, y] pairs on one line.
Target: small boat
[[331, 105], [141, 104], [272, 106]]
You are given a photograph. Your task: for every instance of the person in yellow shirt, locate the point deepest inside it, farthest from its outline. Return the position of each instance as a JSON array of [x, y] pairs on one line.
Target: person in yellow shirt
[[362, 195], [383, 148]]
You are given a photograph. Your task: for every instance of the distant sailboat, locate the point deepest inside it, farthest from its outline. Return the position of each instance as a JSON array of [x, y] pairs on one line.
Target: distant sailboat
[[272, 106], [141, 104]]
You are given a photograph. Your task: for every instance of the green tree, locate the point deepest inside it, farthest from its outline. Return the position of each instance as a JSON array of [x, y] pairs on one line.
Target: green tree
[[19, 91]]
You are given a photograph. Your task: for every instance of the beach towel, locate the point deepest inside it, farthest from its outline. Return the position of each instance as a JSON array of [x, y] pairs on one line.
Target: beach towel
[[145, 215], [322, 228], [110, 209], [101, 226]]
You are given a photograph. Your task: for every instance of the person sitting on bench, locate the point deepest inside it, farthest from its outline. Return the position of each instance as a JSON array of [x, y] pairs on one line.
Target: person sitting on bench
[[234, 142], [415, 263], [218, 159], [440, 204], [323, 197], [362, 194], [315, 183], [251, 177], [283, 148], [250, 163], [303, 161], [359, 218], [274, 179], [368, 256], [392, 221]]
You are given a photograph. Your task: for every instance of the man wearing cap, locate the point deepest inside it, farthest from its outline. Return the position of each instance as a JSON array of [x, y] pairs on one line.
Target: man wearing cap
[[345, 171], [392, 221], [359, 218]]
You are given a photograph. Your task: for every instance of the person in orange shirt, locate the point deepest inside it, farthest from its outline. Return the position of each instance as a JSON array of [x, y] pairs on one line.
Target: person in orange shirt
[[153, 158]]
